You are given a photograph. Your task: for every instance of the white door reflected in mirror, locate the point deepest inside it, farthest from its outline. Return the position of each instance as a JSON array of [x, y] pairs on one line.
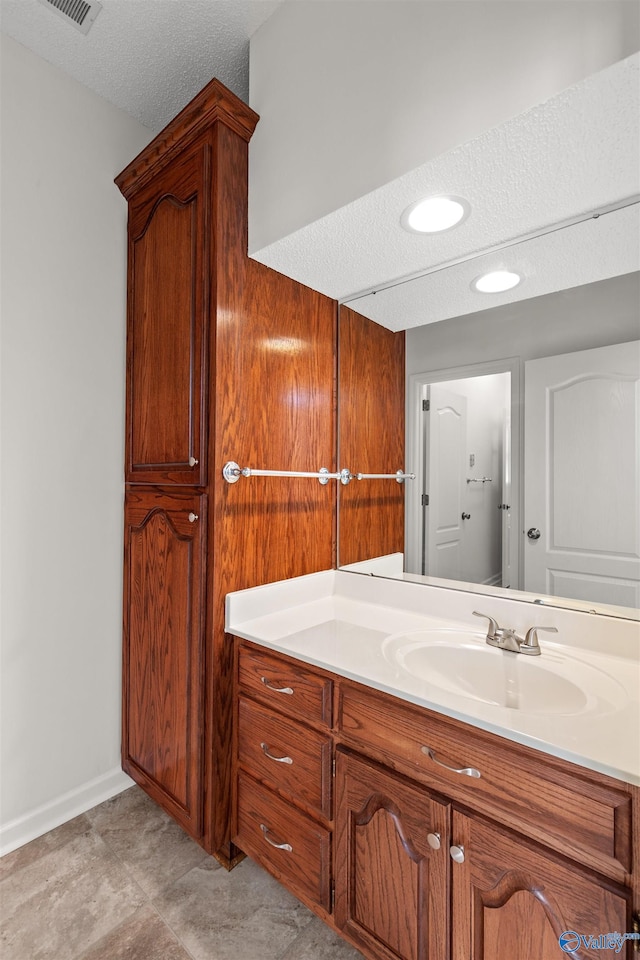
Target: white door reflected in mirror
[[582, 475], [464, 481]]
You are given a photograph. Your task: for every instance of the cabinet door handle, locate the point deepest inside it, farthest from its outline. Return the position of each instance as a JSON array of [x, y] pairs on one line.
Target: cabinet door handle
[[193, 462], [457, 853], [193, 517], [287, 690], [465, 771], [433, 839], [272, 843], [265, 750]]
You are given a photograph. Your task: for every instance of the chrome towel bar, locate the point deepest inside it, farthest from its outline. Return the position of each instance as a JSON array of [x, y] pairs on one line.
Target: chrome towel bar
[[399, 476], [232, 473]]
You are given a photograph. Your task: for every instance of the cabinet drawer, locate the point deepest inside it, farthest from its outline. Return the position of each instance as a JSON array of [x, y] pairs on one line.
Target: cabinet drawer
[[286, 755], [558, 803], [291, 687], [295, 849]]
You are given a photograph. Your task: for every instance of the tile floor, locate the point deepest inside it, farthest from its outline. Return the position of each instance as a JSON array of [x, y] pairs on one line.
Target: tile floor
[[124, 882]]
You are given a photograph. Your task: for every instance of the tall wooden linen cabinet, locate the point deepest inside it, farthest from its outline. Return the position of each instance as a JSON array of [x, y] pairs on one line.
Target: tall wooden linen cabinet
[[226, 360]]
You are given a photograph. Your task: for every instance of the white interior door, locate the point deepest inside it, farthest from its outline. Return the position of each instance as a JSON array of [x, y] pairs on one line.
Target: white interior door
[[582, 475], [447, 482]]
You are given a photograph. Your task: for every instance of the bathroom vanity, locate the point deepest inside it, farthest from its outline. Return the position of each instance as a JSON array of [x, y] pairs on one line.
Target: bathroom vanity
[[420, 811]]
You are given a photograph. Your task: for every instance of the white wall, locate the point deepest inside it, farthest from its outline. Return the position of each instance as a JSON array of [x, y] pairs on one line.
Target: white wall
[[63, 335], [354, 94]]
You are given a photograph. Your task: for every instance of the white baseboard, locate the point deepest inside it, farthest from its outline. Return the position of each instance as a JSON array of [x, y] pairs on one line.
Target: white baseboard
[[56, 812]]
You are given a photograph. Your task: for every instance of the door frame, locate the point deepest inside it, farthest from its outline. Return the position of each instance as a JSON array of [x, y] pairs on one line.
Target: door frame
[[415, 448]]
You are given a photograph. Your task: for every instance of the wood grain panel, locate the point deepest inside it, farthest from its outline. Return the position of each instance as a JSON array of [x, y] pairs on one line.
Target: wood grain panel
[[163, 641], [390, 885], [167, 325], [288, 685], [274, 361], [287, 756], [371, 437], [265, 820], [511, 899], [275, 403], [581, 813]]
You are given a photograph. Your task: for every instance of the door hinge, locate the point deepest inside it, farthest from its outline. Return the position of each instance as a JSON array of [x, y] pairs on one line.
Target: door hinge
[[425, 499], [426, 405], [635, 926], [333, 766], [333, 896]]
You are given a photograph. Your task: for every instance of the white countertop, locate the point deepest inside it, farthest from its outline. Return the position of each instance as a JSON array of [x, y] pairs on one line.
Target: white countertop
[[346, 622]]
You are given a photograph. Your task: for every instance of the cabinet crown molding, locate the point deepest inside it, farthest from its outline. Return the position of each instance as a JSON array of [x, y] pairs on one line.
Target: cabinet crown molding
[[214, 104]]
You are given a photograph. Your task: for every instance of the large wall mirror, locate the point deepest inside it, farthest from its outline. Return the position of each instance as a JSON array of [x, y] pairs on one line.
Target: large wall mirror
[[520, 428]]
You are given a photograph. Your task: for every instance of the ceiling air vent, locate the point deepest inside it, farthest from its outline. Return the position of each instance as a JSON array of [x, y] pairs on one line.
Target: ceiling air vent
[[79, 13]]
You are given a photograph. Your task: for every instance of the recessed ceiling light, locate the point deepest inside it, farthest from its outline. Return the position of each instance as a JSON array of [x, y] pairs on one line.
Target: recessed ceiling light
[[434, 214], [496, 282]]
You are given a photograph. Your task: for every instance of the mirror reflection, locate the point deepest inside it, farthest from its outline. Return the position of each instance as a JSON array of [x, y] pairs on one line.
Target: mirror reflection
[[521, 426], [461, 449]]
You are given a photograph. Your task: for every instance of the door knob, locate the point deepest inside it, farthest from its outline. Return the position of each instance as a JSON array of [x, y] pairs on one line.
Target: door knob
[[533, 533], [193, 462], [466, 516], [433, 839], [457, 853]]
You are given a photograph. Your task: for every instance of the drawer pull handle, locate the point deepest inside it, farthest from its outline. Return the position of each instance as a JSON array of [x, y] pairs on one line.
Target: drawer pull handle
[[465, 771], [457, 853], [287, 690], [265, 750], [278, 846]]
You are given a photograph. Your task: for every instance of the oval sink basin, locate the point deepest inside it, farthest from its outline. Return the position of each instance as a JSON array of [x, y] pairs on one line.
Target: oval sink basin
[[466, 666]]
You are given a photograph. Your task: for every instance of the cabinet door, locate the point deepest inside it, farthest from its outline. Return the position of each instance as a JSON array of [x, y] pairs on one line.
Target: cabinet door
[[163, 650], [167, 324], [512, 900], [391, 885]]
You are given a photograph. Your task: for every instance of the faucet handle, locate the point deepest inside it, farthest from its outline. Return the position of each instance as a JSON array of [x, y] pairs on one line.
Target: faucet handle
[[531, 638], [493, 624]]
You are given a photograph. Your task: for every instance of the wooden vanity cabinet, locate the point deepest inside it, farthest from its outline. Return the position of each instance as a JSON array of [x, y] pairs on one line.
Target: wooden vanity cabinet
[[579, 813], [207, 383], [391, 867], [165, 549], [168, 287], [512, 898], [475, 848], [284, 772], [186, 195]]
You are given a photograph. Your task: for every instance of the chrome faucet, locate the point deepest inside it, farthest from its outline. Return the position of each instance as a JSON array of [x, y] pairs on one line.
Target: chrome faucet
[[507, 639]]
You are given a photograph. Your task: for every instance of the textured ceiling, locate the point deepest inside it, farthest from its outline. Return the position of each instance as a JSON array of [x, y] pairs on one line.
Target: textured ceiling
[[583, 253], [573, 154], [148, 57]]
